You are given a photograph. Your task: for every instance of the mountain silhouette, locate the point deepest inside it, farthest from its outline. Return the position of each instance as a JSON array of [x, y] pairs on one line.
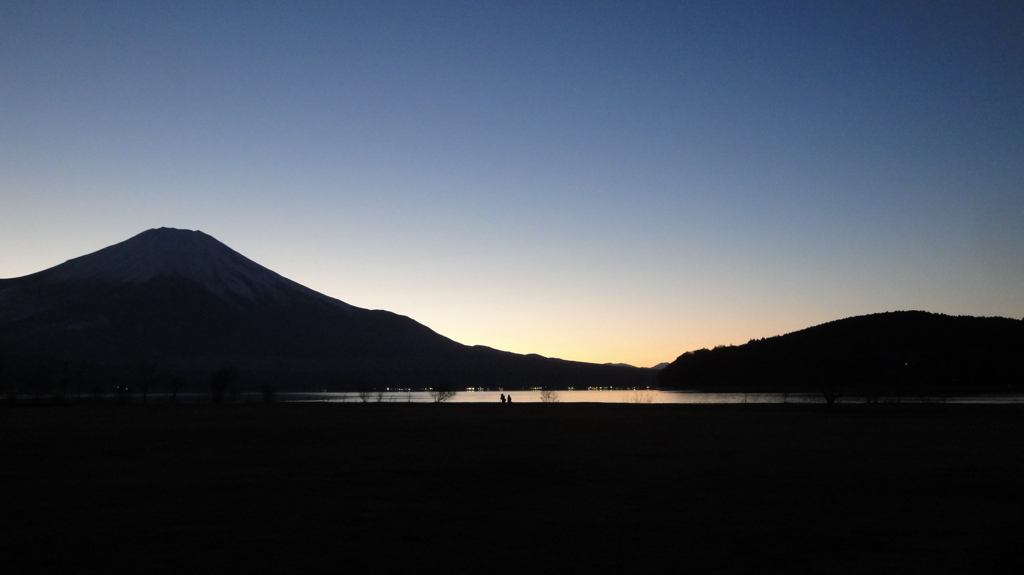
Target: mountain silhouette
[[181, 303], [905, 352]]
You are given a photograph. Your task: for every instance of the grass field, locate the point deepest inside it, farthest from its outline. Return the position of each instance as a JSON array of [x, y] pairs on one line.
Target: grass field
[[548, 488]]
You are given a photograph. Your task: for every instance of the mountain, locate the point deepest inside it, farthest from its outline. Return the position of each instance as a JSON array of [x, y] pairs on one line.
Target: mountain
[[180, 304], [905, 352]]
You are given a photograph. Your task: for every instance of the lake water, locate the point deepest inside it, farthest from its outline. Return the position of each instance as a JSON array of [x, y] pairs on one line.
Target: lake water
[[624, 396], [529, 396]]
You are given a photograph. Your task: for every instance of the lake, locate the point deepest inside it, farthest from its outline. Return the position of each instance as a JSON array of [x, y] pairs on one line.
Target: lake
[[641, 396], [622, 396]]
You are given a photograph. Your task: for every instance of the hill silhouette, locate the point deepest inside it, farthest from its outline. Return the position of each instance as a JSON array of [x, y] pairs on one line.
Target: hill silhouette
[[171, 303], [905, 352]]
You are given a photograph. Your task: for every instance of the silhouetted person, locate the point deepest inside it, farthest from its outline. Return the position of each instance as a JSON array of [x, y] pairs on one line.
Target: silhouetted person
[[510, 398], [503, 398]]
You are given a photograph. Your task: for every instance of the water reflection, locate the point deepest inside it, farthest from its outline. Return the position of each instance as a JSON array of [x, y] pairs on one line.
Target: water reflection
[[625, 396], [528, 396]]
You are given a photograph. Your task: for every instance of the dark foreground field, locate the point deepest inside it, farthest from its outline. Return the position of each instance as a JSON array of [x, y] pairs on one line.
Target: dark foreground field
[[524, 488]]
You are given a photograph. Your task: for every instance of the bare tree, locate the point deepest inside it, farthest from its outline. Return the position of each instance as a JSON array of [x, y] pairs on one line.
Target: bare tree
[[833, 385], [221, 383], [365, 394], [442, 392], [7, 385], [144, 375], [269, 392], [86, 380], [65, 380], [39, 382], [174, 385], [831, 394], [549, 396], [641, 396]]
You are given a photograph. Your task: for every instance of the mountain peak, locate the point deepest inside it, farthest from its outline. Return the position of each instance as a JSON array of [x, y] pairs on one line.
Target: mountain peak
[[173, 235], [181, 303], [184, 254]]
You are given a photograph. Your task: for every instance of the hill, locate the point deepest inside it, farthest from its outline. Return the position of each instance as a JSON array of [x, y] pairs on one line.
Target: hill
[[171, 303], [906, 352]]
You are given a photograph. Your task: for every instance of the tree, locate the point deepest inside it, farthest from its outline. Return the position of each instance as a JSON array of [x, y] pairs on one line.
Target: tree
[[641, 396], [831, 393], [87, 380], [269, 392], [365, 393], [10, 393], [221, 383], [39, 382], [65, 379], [174, 385], [143, 378], [442, 392], [831, 386], [549, 396]]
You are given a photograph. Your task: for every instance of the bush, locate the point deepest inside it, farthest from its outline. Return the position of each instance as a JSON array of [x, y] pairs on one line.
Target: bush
[[549, 396], [221, 382], [442, 392]]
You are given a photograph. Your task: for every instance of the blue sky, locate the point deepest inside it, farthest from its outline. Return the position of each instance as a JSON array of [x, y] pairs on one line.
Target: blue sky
[[601, 181]]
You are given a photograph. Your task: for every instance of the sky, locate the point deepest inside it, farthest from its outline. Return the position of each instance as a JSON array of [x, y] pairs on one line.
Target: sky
[[596, 181]]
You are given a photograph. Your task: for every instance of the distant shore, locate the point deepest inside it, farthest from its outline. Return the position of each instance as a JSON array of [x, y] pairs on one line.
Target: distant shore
[[637, 396]]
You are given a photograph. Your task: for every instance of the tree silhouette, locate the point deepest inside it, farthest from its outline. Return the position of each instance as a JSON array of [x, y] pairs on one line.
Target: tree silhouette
[[174, 385], [549, 396], [269, 392], [365, 393], [442, 392], [9, 392], [221, 383]]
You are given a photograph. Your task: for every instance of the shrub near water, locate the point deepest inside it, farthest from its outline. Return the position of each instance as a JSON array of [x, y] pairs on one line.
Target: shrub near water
[[442, 392], [549, 396]]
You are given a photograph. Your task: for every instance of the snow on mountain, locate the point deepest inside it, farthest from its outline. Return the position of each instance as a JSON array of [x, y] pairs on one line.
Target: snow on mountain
[[185, 254]]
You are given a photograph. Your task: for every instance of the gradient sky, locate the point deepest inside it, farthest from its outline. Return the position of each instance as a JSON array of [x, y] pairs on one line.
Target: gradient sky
[[599, 181]]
